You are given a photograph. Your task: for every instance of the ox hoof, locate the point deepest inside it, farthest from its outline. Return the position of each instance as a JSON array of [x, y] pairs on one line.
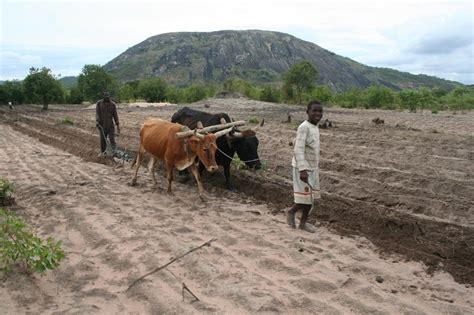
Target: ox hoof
[[133, 183], [203, 198]]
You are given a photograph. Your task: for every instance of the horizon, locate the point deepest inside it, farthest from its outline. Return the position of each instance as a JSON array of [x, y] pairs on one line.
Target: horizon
[[407, 36]]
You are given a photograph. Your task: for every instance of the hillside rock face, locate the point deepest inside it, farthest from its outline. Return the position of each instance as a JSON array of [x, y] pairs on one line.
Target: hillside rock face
[[259, 56]]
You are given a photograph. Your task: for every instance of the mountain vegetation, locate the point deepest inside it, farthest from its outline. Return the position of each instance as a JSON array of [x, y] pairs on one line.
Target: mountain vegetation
[[257, 56]]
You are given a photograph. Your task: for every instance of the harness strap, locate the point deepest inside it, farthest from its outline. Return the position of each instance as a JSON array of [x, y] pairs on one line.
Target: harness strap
[[231, 158]]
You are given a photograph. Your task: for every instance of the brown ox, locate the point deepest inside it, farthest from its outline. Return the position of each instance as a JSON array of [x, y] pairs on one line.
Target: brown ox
[[178, 148]]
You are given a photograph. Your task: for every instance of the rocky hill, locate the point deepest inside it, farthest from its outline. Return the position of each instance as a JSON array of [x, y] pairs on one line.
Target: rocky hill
[[259, 56]]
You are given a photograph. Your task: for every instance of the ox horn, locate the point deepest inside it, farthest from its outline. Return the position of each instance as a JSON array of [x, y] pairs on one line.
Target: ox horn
[[185, 133], [221, 126], [223, 132], [236, 134]]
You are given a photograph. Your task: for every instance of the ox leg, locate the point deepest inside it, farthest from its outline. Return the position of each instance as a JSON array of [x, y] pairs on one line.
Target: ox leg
[[151, 168], [198, 178], [169, 176], [229, 183], [201, 168], [138, 162]]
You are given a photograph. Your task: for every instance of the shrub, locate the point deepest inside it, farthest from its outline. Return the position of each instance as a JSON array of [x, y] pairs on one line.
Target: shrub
[[236, 163], [409, 99], [152, 89], [6, 189], [195, 93], [67, 121], [254, 120], [322, 93], [20, 246], [270, 94]]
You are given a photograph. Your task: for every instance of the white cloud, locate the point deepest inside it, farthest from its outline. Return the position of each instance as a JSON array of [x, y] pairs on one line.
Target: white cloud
[[17, 58]]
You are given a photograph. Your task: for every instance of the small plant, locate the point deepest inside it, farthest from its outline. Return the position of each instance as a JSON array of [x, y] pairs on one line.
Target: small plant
[[434, 111], [6, 189], [236, 163], [254, 120], [20, 246], [67, 121]]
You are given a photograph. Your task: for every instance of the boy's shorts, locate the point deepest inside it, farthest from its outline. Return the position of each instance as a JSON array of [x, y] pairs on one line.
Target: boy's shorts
[[302, 191]]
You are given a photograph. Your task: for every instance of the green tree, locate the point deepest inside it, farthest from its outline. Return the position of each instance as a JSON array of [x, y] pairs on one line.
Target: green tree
[[427, 99], [11, 91], [241, 86], [409, 99], [153, 89], [379, 97], [350, 99], [75, 96], [93, 81], [126, 93], [42, 87], [270, 94], [302, 77], [174, 95], [322, 93], [194, 93]]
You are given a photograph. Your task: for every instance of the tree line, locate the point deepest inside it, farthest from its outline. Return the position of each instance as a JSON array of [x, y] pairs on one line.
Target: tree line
[[298, 86]]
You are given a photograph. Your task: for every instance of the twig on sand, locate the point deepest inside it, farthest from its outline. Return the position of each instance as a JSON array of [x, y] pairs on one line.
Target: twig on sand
[[208, 243], [442, 299], [187, 289]]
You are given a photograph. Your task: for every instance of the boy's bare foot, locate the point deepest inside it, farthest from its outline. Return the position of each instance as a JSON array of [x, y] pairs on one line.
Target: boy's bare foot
[[307, 227]]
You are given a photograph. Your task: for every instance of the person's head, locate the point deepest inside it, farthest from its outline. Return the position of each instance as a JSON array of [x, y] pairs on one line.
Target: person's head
[[106, 96], [314, 111]]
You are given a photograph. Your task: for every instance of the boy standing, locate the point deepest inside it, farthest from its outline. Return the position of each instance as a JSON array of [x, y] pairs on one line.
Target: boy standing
[[305, 164]]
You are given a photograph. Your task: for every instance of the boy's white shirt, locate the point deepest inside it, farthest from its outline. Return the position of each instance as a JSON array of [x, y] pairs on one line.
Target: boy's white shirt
[[306, 148]]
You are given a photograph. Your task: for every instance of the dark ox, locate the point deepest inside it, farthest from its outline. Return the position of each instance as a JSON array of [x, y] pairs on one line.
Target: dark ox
[[245, 143], [178, 147]]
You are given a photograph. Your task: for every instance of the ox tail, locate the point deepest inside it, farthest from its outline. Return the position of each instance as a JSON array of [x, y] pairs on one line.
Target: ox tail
[[134, 160]]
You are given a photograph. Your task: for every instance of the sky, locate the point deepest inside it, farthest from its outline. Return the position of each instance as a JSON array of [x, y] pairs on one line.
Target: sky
[[421, 37]]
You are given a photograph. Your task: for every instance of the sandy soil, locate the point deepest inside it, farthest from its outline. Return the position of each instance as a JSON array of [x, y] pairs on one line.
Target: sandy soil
[[397, 204]]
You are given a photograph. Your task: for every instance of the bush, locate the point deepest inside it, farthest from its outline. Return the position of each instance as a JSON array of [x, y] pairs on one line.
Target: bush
[[195, 93], [254, 120], [152, 89], [20, 246], [378, 97], [67, 121], [409, 99], [6, 189], [322, 93], [270, 94], [241, 86]]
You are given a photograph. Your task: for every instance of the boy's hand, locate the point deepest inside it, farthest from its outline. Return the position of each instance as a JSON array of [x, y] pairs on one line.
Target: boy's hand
[[304, 176], [118, 129]]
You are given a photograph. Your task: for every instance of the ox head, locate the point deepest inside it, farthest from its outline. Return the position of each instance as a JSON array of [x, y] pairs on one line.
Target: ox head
[[246, 145], [204, 145]]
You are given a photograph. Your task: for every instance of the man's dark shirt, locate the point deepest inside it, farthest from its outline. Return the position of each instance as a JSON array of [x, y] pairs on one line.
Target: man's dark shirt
[[105, 112]]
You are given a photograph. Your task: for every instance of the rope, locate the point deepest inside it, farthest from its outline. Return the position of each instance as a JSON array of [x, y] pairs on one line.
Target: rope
[[233, 159]]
